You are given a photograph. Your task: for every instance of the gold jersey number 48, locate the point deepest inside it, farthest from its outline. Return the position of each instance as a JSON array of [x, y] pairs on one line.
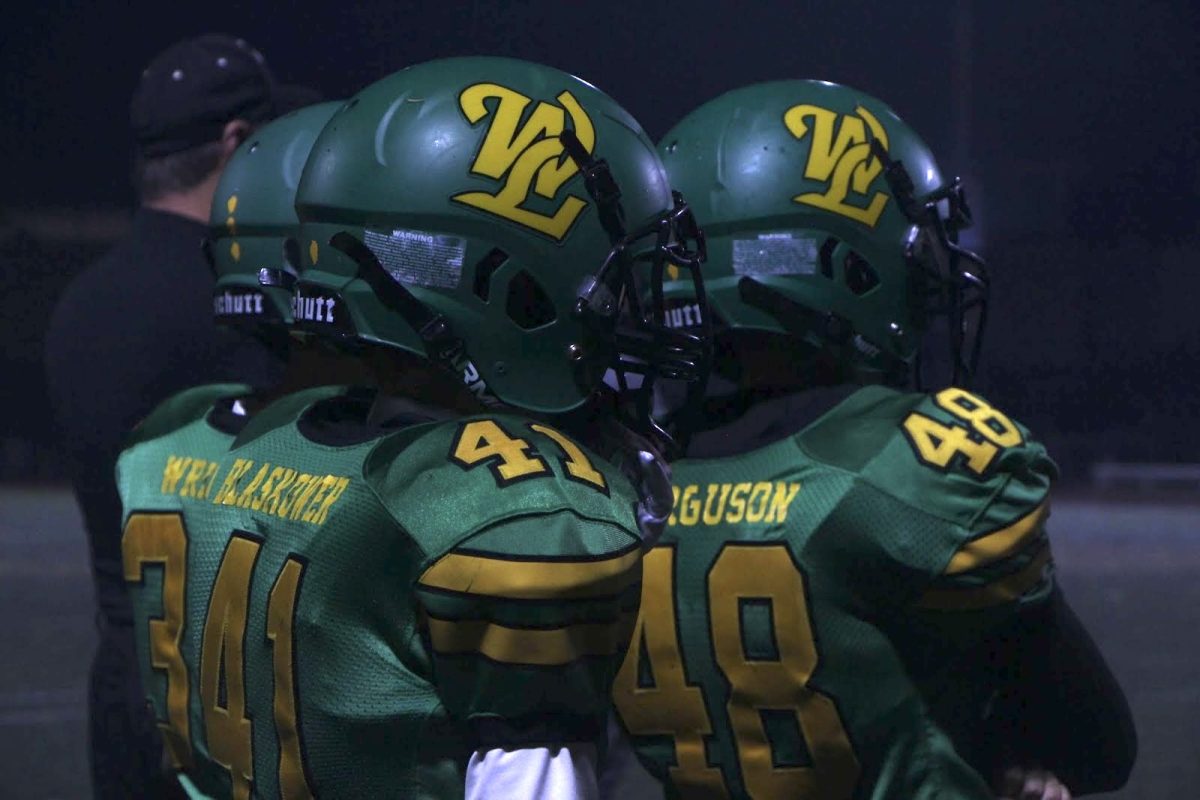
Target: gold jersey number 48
[[975, 439], [675, 707]]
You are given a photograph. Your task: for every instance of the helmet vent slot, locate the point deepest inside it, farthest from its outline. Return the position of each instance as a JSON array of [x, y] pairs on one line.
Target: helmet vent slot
[[861, 277], [484, 269], [827, 248], [528, 304]]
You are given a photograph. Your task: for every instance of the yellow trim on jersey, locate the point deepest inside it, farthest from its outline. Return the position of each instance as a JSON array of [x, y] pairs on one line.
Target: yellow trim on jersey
[[542, 647], [530, 579], [1003, 590], [998, 544]]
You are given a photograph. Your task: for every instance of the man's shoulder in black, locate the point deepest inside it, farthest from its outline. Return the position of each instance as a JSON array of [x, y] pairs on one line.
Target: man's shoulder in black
[[131, 330], [137, 326]]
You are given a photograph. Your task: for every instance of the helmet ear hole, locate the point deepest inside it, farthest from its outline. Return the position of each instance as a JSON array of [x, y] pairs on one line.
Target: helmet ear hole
[[528, 305], [484, 268], [861, 277]]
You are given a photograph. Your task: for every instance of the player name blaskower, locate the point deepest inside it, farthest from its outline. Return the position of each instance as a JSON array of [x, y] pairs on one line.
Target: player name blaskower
[[749, 501], [274, 489]]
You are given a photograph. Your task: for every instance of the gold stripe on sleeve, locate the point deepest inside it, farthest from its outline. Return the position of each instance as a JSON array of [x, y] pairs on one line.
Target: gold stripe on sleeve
[[543, 647], [1003, 590], [533, 580], [998, 544]]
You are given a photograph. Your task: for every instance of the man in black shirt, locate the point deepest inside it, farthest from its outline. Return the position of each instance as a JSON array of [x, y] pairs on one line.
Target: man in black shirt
[[136, 327]]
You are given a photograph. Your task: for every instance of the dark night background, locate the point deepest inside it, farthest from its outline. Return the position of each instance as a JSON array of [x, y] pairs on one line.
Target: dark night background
[[1075, 126], [1076, 130]]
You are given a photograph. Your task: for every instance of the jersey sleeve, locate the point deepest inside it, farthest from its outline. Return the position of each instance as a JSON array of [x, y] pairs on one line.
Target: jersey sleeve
[[527, 624], [530, 585], [1006, 565], [953, 496], [953, 491]]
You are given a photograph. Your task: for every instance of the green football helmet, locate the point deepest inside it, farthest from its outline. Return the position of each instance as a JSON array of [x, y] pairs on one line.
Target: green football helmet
[[827, 219], [499, 218], [251, 242]]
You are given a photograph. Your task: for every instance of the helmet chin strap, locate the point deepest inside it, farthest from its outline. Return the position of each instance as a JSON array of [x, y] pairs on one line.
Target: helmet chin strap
[[442, 346], [600, 184]]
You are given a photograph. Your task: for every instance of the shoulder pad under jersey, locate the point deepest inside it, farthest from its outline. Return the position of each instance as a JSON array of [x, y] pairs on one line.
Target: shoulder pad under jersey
[[949, 454], [445, 481], [284, 410], [182, 409], [971, 486]]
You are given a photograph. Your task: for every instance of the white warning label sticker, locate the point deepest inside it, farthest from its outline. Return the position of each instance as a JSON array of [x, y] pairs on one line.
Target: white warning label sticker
[[775, 253], [418, 258]]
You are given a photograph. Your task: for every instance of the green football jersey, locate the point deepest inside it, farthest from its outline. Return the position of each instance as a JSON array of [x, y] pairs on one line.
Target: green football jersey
[[360, 607], [807, 601], [171, 459]]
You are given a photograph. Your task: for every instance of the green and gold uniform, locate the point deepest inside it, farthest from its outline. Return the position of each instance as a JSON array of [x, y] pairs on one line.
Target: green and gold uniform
[[809, 598], [199, 422], [342, 610]]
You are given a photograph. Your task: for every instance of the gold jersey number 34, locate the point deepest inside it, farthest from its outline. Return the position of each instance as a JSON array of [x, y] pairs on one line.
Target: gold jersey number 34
[[161, 539]]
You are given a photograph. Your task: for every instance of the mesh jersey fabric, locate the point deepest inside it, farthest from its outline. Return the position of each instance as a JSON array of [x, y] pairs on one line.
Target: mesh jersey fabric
[[809, 600], [192, 422], [361, 612]]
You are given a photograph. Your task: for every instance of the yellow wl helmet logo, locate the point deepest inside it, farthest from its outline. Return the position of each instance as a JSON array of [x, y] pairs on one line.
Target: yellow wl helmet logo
[[525, 158], [840, 156]]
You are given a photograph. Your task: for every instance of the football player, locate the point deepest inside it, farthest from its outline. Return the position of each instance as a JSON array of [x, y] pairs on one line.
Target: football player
[[254, 252], [427, 593], [855, 595], [170, 462]]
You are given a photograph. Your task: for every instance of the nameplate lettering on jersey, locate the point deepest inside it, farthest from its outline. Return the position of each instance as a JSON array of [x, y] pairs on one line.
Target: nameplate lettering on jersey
[[272, 489], [187, 476], [750, 502]]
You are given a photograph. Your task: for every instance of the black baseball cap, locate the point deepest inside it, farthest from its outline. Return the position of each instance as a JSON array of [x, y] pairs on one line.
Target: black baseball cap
[[193, 88]]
